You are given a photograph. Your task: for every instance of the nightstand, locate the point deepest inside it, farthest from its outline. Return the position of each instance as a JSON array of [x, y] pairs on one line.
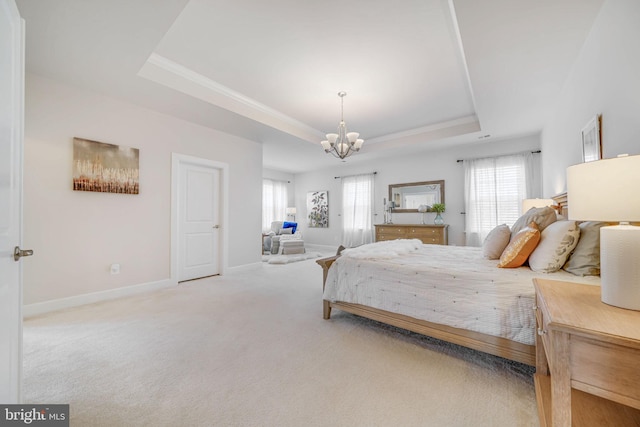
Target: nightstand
[[587, 358]]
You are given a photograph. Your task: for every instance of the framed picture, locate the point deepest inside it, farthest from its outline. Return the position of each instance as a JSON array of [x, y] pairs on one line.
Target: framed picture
[[318, 209], [591, 146], [105, 168]]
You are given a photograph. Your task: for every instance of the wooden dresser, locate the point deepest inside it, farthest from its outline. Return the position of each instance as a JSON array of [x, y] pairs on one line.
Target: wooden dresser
[[429, 234], [587, 358]]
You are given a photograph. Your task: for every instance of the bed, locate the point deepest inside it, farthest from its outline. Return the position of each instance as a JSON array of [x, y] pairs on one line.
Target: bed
[[447, 292]]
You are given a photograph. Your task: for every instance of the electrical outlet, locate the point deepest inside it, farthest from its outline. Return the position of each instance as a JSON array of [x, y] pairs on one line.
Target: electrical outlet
[[115, 268]]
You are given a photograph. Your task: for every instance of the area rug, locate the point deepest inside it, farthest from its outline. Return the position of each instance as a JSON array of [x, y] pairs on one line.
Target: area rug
[[287, 259]]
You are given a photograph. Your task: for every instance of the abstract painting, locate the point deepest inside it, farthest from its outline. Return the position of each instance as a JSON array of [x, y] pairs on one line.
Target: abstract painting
[[105, 168]]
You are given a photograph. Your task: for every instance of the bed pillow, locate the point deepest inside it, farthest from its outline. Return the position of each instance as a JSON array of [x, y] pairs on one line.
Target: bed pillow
[[556, 243], [496, 241], [520, 247], [585, 258], [541, 216]]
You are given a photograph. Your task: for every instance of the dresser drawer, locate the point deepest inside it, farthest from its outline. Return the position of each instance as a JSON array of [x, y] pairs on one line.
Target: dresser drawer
[[392, 231], [431, 240], [384, 237], [612, 369], [433, 235], [426, 232]]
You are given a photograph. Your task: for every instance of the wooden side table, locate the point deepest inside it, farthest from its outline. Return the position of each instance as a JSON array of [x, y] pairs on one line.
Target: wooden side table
[[587, 358]]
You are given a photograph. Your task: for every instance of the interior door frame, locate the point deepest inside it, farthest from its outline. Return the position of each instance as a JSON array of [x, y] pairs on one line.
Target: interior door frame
[[11, 392], [177, 160]]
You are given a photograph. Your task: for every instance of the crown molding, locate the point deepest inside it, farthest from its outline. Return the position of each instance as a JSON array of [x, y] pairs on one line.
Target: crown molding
[[178, 77]]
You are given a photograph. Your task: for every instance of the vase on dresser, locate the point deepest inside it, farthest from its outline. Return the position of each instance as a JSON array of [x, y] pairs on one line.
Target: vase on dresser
[[438, 219]]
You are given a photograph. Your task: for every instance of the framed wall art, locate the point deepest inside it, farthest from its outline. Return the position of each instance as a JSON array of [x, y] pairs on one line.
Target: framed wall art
[[105, 168], [318, 209], [591, 144]]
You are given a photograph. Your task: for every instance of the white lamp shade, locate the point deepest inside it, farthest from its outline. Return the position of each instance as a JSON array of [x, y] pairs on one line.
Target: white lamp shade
[[326, 145], [604, 190], [358, 145], [332, 137], [291, 211], [535, 203], [352, 136]]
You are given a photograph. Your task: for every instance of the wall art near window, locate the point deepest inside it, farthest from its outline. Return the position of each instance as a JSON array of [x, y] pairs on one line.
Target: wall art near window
[[105, 168], [591, 145], [318, 209]]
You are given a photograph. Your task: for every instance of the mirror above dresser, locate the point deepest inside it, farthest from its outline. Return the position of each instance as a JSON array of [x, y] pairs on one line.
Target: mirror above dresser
[[408, 196]]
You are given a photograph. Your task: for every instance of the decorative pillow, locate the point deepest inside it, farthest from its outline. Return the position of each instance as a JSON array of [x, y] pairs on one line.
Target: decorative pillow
[[496, 241], [520, 247], [585, 258], [286, 231], [292, 225], [541, 216], [556, 243]]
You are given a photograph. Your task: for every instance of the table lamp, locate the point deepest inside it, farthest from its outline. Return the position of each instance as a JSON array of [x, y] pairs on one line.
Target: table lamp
[[292, 212], [606, 190]]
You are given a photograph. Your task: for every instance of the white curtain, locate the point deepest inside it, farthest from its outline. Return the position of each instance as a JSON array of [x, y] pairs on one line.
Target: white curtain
[[357, 210], [494, 190], [274, 202]]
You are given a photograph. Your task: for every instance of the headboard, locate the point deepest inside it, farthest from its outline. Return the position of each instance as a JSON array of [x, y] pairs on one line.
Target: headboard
[[562, 204]]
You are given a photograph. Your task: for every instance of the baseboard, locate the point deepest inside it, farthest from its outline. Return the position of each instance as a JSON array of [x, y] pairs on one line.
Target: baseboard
[[38, 308]]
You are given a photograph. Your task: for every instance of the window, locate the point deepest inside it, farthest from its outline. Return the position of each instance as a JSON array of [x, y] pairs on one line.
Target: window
[[274, 202], [494, 190], [357, 210]]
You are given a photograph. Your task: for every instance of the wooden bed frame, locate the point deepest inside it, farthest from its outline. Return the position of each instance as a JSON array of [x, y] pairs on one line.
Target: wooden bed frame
[[478, 341]]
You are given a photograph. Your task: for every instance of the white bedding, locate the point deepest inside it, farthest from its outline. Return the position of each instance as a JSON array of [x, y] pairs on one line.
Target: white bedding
[[450, 285]]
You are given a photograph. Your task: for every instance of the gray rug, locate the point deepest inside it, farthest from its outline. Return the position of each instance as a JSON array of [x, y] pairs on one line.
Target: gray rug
[[287, 259]]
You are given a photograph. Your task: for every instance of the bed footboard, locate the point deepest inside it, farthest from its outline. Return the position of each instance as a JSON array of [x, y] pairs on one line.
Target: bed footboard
[[325, 263]]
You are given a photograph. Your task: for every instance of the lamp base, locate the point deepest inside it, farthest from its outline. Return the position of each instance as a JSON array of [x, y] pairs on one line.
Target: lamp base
[[620, 266]]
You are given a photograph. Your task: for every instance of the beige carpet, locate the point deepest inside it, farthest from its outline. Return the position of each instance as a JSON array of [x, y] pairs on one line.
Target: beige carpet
[[251, 349]]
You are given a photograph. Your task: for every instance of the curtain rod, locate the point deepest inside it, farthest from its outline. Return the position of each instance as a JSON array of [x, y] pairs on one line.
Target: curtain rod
[[338, 177], [533, 152]]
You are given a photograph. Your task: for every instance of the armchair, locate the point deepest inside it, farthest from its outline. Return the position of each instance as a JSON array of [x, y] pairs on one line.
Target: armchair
[[283, 239]]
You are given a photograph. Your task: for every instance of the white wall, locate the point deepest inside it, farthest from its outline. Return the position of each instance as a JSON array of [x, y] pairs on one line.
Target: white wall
[[605, 80], [77, 235], [429, 166]]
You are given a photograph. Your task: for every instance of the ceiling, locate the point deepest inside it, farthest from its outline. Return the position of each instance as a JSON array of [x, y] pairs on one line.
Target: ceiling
[[419, 74]]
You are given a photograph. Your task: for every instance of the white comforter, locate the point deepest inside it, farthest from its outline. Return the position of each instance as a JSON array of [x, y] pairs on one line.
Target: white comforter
[[450, 285]]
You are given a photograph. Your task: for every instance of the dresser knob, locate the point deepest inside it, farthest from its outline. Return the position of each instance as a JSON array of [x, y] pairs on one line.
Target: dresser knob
[[541, 331]]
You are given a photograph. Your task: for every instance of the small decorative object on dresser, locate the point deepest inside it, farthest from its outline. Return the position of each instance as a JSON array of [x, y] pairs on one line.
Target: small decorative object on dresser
[[438, 208], [587, 356], [428, 234], [422, 209]]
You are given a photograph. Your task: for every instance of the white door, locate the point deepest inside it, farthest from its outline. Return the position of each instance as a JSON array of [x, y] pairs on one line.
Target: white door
[[198, 221], [11, 135]]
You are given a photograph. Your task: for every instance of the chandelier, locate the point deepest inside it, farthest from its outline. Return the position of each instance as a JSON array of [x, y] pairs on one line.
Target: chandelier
[[343, 143]]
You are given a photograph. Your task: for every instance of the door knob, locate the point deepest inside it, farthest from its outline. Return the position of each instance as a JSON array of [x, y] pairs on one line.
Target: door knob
[[19, 253], [216, 226]]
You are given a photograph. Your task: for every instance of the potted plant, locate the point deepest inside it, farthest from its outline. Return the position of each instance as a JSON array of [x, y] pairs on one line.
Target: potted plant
[[438, 208]]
